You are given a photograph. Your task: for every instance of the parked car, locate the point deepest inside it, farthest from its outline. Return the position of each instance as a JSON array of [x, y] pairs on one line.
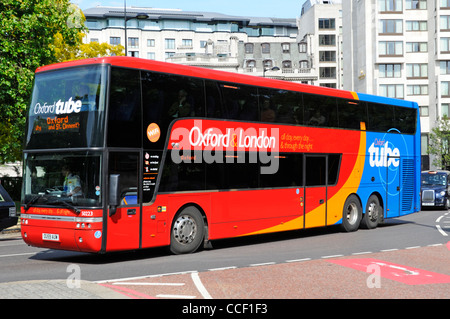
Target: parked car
[[8, 216], [435, 189]]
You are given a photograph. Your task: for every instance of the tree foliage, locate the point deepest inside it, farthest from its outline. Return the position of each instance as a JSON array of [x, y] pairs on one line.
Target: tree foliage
[[27, 35], [439, 145], [67, 52]]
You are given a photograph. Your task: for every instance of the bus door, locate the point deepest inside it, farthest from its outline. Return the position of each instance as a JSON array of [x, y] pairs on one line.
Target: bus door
[[393, 186], [123, 226], [315, 190]]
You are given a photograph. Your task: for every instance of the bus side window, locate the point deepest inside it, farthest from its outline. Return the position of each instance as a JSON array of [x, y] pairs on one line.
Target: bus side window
[[124, 120], [351, 113], [240, 102]]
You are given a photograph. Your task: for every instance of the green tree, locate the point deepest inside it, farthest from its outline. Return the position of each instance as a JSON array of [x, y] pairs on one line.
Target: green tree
[[27, 31], [439, 145], [66, 52]]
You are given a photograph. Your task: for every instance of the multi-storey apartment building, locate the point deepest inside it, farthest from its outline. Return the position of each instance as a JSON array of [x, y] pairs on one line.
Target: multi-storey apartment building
[[320, 36], [400, 48], [255, 45]]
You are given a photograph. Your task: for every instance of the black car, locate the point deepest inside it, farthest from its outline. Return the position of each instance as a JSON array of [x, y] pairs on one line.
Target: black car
[[435, 189], [8, 216]]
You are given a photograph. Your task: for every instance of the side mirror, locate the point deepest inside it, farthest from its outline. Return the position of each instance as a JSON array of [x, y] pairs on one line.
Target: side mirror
[[114, 193]]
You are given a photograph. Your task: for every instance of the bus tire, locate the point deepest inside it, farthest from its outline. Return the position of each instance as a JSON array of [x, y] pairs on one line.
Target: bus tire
[[187, 231], [352, 214], [373, 213]]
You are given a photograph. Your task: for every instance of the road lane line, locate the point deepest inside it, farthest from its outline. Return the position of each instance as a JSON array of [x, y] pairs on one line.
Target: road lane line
[[176, 296], [13, 255], [223, 268], [362, 253], [198, 283], [443, 233], [149, 283], [262, 264], [297, 260], [387, 250], [331, 256]]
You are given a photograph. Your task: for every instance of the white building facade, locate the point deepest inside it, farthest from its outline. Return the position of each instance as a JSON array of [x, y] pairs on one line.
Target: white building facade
[[254, 45], [320, 33], [400, 49]]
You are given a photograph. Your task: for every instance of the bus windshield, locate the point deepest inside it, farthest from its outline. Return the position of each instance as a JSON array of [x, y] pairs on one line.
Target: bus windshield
[[69, 179], [67, 108]]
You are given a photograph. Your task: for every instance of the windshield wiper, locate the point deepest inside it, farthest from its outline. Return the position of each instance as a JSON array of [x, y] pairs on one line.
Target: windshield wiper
[[32, 201], [76, 210]]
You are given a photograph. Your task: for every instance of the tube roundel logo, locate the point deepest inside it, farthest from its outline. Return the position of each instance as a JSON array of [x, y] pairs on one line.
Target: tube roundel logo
[[153, 132]]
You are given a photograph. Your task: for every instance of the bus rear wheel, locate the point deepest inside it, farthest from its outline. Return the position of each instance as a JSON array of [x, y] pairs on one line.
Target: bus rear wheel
[[352, 214], [187, 232], [373, 213]]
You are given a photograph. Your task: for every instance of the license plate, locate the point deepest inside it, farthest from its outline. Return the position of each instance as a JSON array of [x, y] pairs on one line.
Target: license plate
[[427, 204], [52, 237]]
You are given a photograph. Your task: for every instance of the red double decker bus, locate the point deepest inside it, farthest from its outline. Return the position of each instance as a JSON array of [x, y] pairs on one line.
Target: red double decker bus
[[124, 153]]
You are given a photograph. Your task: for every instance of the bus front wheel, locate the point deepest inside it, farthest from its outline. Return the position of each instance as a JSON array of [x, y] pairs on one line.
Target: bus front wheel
[[187, 232], [352, 214]]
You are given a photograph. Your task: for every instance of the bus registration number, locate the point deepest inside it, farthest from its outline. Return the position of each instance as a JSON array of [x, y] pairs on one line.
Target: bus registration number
[[52, 237]]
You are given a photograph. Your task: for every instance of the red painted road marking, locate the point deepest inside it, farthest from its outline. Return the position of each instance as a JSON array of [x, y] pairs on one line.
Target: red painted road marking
[[128, 292], [404, 274]]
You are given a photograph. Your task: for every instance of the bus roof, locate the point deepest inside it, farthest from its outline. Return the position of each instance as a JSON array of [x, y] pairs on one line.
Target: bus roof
[[205, 73]]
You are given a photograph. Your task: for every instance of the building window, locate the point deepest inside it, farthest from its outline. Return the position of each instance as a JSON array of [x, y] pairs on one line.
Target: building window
[[445, 109], [390, 5], [268, 64], [391, 27], [287, 66], [424, 144], [445, 45], [392, 90], [186, 43], [416, 25], [168, 55], [327, 23], [114, 40], [249, 48], [151, 55], [250, 65], [327, 39], [445, 88], [327, 73], [445, 67], [412, 47], [416, 70], [390, 70], [151, 43], [302, 47], [265, 48], [416, 4], [133, 43], [169, 44], [444, 23], [391, 48], [445, 4], [417, 90], [304, 64], [327, 56], [286, 47]]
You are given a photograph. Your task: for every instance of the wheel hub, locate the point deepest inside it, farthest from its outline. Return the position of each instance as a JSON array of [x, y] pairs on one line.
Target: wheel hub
[[185, 229]]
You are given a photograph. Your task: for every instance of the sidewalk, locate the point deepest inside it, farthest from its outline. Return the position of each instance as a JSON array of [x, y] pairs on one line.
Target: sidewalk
[[55, 289]]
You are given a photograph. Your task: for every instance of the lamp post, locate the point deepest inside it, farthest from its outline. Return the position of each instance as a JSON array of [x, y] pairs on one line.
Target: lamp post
[[140, 16], [275, 68]]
